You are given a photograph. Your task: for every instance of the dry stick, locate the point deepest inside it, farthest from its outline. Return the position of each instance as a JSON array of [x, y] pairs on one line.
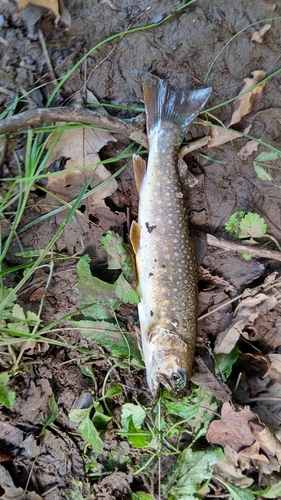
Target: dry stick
[[74, 114], [238, 247], [46, 55]]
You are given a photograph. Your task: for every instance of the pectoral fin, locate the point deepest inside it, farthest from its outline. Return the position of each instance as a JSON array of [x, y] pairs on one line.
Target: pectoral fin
[[139, 165], [135, 235]]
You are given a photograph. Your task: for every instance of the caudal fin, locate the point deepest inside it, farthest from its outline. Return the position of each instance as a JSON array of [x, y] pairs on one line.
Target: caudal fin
[[163, 104]]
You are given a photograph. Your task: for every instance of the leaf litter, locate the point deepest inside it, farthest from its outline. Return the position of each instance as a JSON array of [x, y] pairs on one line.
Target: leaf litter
[[242, 107]]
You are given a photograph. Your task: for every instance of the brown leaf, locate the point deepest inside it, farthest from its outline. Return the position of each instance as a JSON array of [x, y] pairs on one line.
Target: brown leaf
[[268, 326], [271, 397], [267, 439], [232, 429], [258, 36], [9, 490], [79, 147], [5, 227], [270, 5], [247, 149], [221, 136], [52, 5], [246, 313], [274, 371], [33, 404], [37, 294], [253, 452], [244, 104], [10, 435], [231, 469], [214, 280], [205, 377]]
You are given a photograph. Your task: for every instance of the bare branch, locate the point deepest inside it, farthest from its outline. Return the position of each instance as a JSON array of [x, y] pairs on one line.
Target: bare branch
[[74, 114], [238, 247]]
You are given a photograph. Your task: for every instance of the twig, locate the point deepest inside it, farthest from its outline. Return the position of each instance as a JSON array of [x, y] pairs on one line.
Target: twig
[[46, 55], [74, 114], [199, 143], [238, 247]]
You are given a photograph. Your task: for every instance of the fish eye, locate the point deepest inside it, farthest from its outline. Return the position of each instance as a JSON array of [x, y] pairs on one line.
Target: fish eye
[[176, 377]]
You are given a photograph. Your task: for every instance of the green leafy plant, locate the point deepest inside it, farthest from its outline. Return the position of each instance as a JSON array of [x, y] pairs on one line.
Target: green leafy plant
[[100, 300], [191, 470], [52, 413], [262, 160], [7, 396], [88, 424], [248, 226]]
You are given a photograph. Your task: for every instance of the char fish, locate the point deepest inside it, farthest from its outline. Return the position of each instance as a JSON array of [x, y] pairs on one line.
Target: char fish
[[165, 259]]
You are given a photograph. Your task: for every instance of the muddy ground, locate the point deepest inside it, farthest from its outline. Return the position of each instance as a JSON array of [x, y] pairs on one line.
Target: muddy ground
[[182, 50]]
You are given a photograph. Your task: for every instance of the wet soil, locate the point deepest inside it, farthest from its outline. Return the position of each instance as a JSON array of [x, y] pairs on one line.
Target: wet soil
[[182, 50]]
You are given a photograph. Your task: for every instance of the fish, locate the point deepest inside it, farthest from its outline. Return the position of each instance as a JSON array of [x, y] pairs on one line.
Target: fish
[[166, 263]]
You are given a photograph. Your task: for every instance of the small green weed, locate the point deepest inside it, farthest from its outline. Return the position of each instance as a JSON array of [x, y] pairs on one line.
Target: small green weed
[[249, 226], [7, 396], [100, 300], [261, 162]]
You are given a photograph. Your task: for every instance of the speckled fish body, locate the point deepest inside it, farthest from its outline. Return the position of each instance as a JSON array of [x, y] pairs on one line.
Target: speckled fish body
[[165, 260]]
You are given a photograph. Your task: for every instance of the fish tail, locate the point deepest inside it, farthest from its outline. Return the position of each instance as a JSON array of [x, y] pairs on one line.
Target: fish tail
[[164, 104]]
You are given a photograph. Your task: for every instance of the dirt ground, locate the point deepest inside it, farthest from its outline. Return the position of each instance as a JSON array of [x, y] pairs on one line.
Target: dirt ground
[[183, 51]]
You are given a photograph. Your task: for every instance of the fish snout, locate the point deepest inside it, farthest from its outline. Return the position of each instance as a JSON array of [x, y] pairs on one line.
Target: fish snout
[[174, 382]]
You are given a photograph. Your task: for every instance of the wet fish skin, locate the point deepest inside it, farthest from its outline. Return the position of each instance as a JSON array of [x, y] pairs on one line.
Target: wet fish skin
[[165, 260]]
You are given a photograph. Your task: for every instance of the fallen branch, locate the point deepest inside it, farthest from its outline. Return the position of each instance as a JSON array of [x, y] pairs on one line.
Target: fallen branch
[[74, 114], [238, 247]]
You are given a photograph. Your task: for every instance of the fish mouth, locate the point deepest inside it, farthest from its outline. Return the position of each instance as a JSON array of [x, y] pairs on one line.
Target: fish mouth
[[174, 384]]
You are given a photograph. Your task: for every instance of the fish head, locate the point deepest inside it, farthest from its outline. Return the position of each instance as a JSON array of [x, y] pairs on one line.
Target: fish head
[[168, 361]]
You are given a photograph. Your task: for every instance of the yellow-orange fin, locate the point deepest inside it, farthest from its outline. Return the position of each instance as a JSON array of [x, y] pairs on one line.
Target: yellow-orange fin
[[135, 235], [139, 165]]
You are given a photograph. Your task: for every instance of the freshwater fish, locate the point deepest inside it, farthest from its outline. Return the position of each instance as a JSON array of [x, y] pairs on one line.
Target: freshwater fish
[[165, 259]]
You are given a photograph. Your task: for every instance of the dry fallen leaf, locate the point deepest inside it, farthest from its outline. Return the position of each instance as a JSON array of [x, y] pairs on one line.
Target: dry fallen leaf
[[241, 107], [78, 150], [244, 104], [246, 313], [80, 147], [274, 371], [270, 5], [214, 280], [205, 377], [247, 149], [221, 136], [232, 429], [52, 5], [10, 492], [253, 453], [267, 440], [243, 431], [272, 397], [231, 469], [258, 36]]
